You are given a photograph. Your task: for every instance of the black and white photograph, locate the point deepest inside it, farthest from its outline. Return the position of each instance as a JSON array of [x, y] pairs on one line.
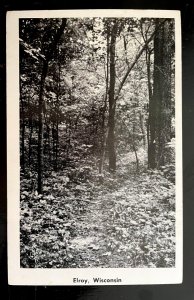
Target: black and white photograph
[[94, 147]]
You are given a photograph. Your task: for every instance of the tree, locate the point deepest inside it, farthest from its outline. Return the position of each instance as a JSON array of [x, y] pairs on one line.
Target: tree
[[42, 50], [160, 102], [48, 57], [112, 100], [113, 96], [85, 93]]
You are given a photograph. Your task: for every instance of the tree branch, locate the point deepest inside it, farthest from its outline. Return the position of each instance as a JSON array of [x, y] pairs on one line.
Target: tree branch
[[138, 55], [34, 53]]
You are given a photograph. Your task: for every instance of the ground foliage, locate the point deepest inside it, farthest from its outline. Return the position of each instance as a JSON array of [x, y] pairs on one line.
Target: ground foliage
[[121, 220]]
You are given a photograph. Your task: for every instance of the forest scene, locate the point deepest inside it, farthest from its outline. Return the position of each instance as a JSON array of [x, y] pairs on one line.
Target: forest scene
[[97, 142]]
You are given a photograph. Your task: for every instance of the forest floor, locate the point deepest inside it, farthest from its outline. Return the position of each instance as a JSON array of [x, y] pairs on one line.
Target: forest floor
[[121, 220]]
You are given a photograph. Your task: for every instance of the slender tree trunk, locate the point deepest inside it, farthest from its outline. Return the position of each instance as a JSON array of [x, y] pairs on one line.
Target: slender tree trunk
[[41, 126], [104, 131], [112, 104], [157, 91], [134, 149], [141, 121], [47, 138]]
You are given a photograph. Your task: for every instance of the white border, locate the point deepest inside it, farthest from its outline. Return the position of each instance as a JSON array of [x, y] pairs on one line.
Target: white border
[[21, 276]]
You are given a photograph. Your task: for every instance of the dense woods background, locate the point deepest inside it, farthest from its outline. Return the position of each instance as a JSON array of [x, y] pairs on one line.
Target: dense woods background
[[97, 140]]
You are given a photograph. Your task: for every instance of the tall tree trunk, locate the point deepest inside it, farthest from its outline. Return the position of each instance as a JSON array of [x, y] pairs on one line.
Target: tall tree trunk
[[151, 125], [112, 103], [104, 131], [160, 108], [166, 93], [40, 124]]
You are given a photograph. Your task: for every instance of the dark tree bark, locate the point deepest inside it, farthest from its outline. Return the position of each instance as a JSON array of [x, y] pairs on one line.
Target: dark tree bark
[[151, 126], [112, 103], [166, 109], [160, 102]]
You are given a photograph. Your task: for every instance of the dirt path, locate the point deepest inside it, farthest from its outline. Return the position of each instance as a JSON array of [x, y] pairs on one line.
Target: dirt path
[[95, 244]]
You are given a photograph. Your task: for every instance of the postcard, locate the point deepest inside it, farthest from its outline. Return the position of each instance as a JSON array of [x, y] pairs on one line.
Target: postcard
[[94, 147]]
